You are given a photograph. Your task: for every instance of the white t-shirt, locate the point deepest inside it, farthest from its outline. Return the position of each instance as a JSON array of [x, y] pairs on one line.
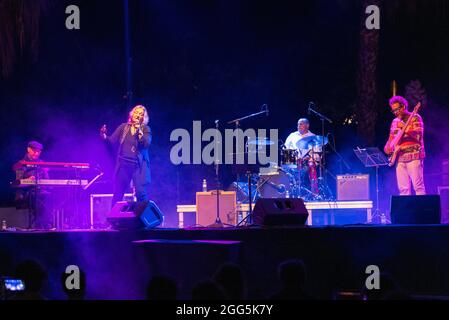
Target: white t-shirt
[[292, 142]]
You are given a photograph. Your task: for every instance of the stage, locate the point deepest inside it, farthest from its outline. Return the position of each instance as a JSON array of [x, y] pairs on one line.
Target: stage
[[119, 264], [329, 207]]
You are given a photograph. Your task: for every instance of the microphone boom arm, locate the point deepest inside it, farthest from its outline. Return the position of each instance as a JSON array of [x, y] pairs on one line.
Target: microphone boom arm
[[323, 117], [264, 110]]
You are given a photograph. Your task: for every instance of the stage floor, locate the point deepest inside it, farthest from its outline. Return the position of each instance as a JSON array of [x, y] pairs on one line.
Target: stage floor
[[119, 264]]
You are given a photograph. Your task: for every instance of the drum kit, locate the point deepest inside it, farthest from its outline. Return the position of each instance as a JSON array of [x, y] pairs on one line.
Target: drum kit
[[299, 174]]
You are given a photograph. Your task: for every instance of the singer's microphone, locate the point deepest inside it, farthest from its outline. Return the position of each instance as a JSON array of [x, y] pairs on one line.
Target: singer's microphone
[[139, 132]]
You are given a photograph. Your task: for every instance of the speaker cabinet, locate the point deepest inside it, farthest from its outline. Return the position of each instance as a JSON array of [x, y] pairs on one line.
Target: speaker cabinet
[[353, 187], [415, 209], [135, 215], [100, 207], [206, 207], [281, 211]]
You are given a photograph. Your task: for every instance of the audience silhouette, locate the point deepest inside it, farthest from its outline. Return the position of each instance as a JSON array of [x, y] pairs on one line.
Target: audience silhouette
[[292, 274], [33, 275], [232, 281]]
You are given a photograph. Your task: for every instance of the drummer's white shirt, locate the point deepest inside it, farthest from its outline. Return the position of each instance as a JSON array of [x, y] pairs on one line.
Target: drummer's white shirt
[[292, 141]]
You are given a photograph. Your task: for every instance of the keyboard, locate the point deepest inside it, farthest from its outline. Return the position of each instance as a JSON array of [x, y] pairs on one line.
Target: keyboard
[[20, 183], [74, 165]]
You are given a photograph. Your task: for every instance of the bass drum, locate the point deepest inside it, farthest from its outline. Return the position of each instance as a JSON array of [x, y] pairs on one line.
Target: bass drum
[[242, 191], [278, 185]]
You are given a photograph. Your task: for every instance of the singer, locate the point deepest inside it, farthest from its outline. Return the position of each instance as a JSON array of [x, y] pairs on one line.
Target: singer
[[133, 162]]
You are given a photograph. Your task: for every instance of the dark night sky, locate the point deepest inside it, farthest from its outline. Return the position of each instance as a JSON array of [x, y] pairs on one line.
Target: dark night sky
[[215, 59]]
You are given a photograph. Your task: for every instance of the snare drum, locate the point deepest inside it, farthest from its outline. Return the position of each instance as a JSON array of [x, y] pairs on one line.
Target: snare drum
[[289, 157]]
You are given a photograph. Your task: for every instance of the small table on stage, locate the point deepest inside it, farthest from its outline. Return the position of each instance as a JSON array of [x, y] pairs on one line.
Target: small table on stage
[[310, 206]]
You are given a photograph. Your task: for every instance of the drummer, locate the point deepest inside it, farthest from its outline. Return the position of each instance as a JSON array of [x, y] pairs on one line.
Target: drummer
[[306, 156], [293, 139]]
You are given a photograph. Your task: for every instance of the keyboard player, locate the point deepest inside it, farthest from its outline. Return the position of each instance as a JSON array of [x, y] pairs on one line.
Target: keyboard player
[[34, 199]]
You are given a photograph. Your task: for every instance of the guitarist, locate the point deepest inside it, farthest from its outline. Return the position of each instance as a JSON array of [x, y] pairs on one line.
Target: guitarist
[[411, 154]]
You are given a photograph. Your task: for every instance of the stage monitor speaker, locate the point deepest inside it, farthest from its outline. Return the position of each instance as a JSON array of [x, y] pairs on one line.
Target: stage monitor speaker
[[424, 209], [100, 206], [135, 215], [206, 207], [280, 212], [353, 187]]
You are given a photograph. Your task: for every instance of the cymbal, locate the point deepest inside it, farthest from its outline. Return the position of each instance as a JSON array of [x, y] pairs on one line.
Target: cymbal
[[312, 141], [261, 142]]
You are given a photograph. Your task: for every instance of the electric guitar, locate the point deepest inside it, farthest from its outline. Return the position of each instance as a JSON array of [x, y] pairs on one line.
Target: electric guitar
[[395, 142]]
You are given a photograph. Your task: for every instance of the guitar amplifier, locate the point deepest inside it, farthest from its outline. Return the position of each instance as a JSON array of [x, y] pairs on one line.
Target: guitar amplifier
[[206, 207], [353, 187]]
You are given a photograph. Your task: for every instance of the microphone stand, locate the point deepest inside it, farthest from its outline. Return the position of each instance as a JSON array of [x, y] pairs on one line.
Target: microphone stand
[[248, 218], [218, 223], [323, 159]]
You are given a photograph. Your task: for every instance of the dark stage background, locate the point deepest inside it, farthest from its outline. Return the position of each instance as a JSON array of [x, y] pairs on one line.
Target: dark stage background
[[217, 59]]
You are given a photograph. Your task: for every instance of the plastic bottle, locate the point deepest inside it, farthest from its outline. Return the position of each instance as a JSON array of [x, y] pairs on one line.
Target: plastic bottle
[[383, 219], [204, 185], [4, 226], [287, 194], [239, 212]]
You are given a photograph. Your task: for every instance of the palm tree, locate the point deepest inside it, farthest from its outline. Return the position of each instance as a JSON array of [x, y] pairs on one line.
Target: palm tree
[[366, 111], [367, 108], [19, 31]]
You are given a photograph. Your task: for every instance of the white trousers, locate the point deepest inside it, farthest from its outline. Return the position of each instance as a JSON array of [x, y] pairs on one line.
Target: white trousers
[[410, 171]]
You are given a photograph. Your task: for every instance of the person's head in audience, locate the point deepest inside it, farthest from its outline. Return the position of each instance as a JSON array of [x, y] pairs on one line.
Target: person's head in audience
[[33, 275], [292, 274], [231, 279]]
